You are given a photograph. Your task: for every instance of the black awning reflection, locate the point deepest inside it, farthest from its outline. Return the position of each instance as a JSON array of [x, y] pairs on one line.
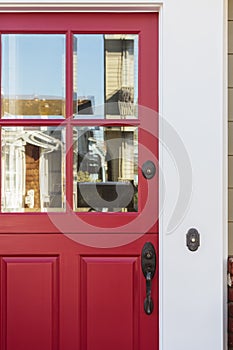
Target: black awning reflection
[[109, 195]]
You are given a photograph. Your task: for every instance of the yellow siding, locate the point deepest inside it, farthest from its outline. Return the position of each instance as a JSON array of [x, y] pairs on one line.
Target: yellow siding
[[230, 127], [113, 67], [119, 74]]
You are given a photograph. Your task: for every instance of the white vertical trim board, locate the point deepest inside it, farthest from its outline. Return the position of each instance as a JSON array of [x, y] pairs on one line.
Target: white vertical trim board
[[193, 102], [193, 291]]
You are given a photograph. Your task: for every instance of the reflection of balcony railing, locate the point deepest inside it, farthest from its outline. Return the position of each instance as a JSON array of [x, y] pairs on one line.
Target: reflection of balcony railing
[[110, 195], [127, 108], [126, 101]]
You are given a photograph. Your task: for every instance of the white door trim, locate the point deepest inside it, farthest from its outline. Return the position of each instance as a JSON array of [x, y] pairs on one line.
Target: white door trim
[[86, 6]]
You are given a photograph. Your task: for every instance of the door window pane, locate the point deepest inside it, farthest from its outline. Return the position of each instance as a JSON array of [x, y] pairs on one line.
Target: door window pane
[[105, 168], [105, 76], [33, 166], [33, 76]]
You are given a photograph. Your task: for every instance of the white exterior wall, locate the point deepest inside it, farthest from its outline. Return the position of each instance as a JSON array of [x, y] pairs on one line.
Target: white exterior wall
[[192, 99]]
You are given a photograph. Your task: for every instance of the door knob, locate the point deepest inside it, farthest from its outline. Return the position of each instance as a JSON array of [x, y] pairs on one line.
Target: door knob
[[148, 263]]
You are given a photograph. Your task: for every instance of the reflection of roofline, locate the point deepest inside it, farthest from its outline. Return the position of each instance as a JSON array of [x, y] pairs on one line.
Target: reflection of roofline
[[120, 36], [80, 102], [28, 116], [32, 97]]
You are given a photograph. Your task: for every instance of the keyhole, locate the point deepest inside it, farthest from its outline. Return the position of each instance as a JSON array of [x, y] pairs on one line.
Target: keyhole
[[149, 254]]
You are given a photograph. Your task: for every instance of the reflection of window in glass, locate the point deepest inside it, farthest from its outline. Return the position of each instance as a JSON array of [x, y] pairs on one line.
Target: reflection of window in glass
[[33, 76], [33, 163], [105, 75], [105, 168]]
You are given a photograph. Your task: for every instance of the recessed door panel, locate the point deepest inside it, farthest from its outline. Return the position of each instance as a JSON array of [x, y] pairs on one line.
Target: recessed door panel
[[29, 307], [110, 301]]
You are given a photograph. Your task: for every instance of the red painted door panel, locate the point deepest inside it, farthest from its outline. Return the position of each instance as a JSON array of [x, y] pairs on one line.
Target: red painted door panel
[[30, 302], [58, 293], [73, 280]]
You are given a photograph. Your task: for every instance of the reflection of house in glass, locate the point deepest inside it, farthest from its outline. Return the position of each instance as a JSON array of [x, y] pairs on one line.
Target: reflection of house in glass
[[105, 75], [32, 169], [85, 105], [120, 75], [108, 157], [120, 153]]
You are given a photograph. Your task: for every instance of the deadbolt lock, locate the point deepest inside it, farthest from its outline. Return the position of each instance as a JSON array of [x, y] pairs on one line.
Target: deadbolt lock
[[148, 169]]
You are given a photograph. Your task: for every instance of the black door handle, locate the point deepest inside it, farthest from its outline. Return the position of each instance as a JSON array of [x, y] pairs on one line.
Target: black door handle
[[148, 262]]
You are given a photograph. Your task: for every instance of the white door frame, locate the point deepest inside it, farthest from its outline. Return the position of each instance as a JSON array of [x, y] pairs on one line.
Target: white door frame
[[193, 125]]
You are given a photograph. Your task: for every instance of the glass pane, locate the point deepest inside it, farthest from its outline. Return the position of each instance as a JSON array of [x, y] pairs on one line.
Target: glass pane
[[105, 169], [33, 76], [105, 76], [33, 165]]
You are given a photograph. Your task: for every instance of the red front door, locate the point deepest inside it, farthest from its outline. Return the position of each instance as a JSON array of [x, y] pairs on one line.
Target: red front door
[[79, 181]]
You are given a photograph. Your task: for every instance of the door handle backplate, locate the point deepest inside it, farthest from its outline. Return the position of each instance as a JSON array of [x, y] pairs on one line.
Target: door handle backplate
[[148, 264]]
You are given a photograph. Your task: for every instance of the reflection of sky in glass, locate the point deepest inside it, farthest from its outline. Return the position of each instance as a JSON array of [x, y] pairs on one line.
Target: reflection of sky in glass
[[33, 65], [90, 67]]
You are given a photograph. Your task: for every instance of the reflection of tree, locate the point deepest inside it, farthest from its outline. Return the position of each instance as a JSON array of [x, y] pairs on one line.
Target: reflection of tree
[[83, 176]]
